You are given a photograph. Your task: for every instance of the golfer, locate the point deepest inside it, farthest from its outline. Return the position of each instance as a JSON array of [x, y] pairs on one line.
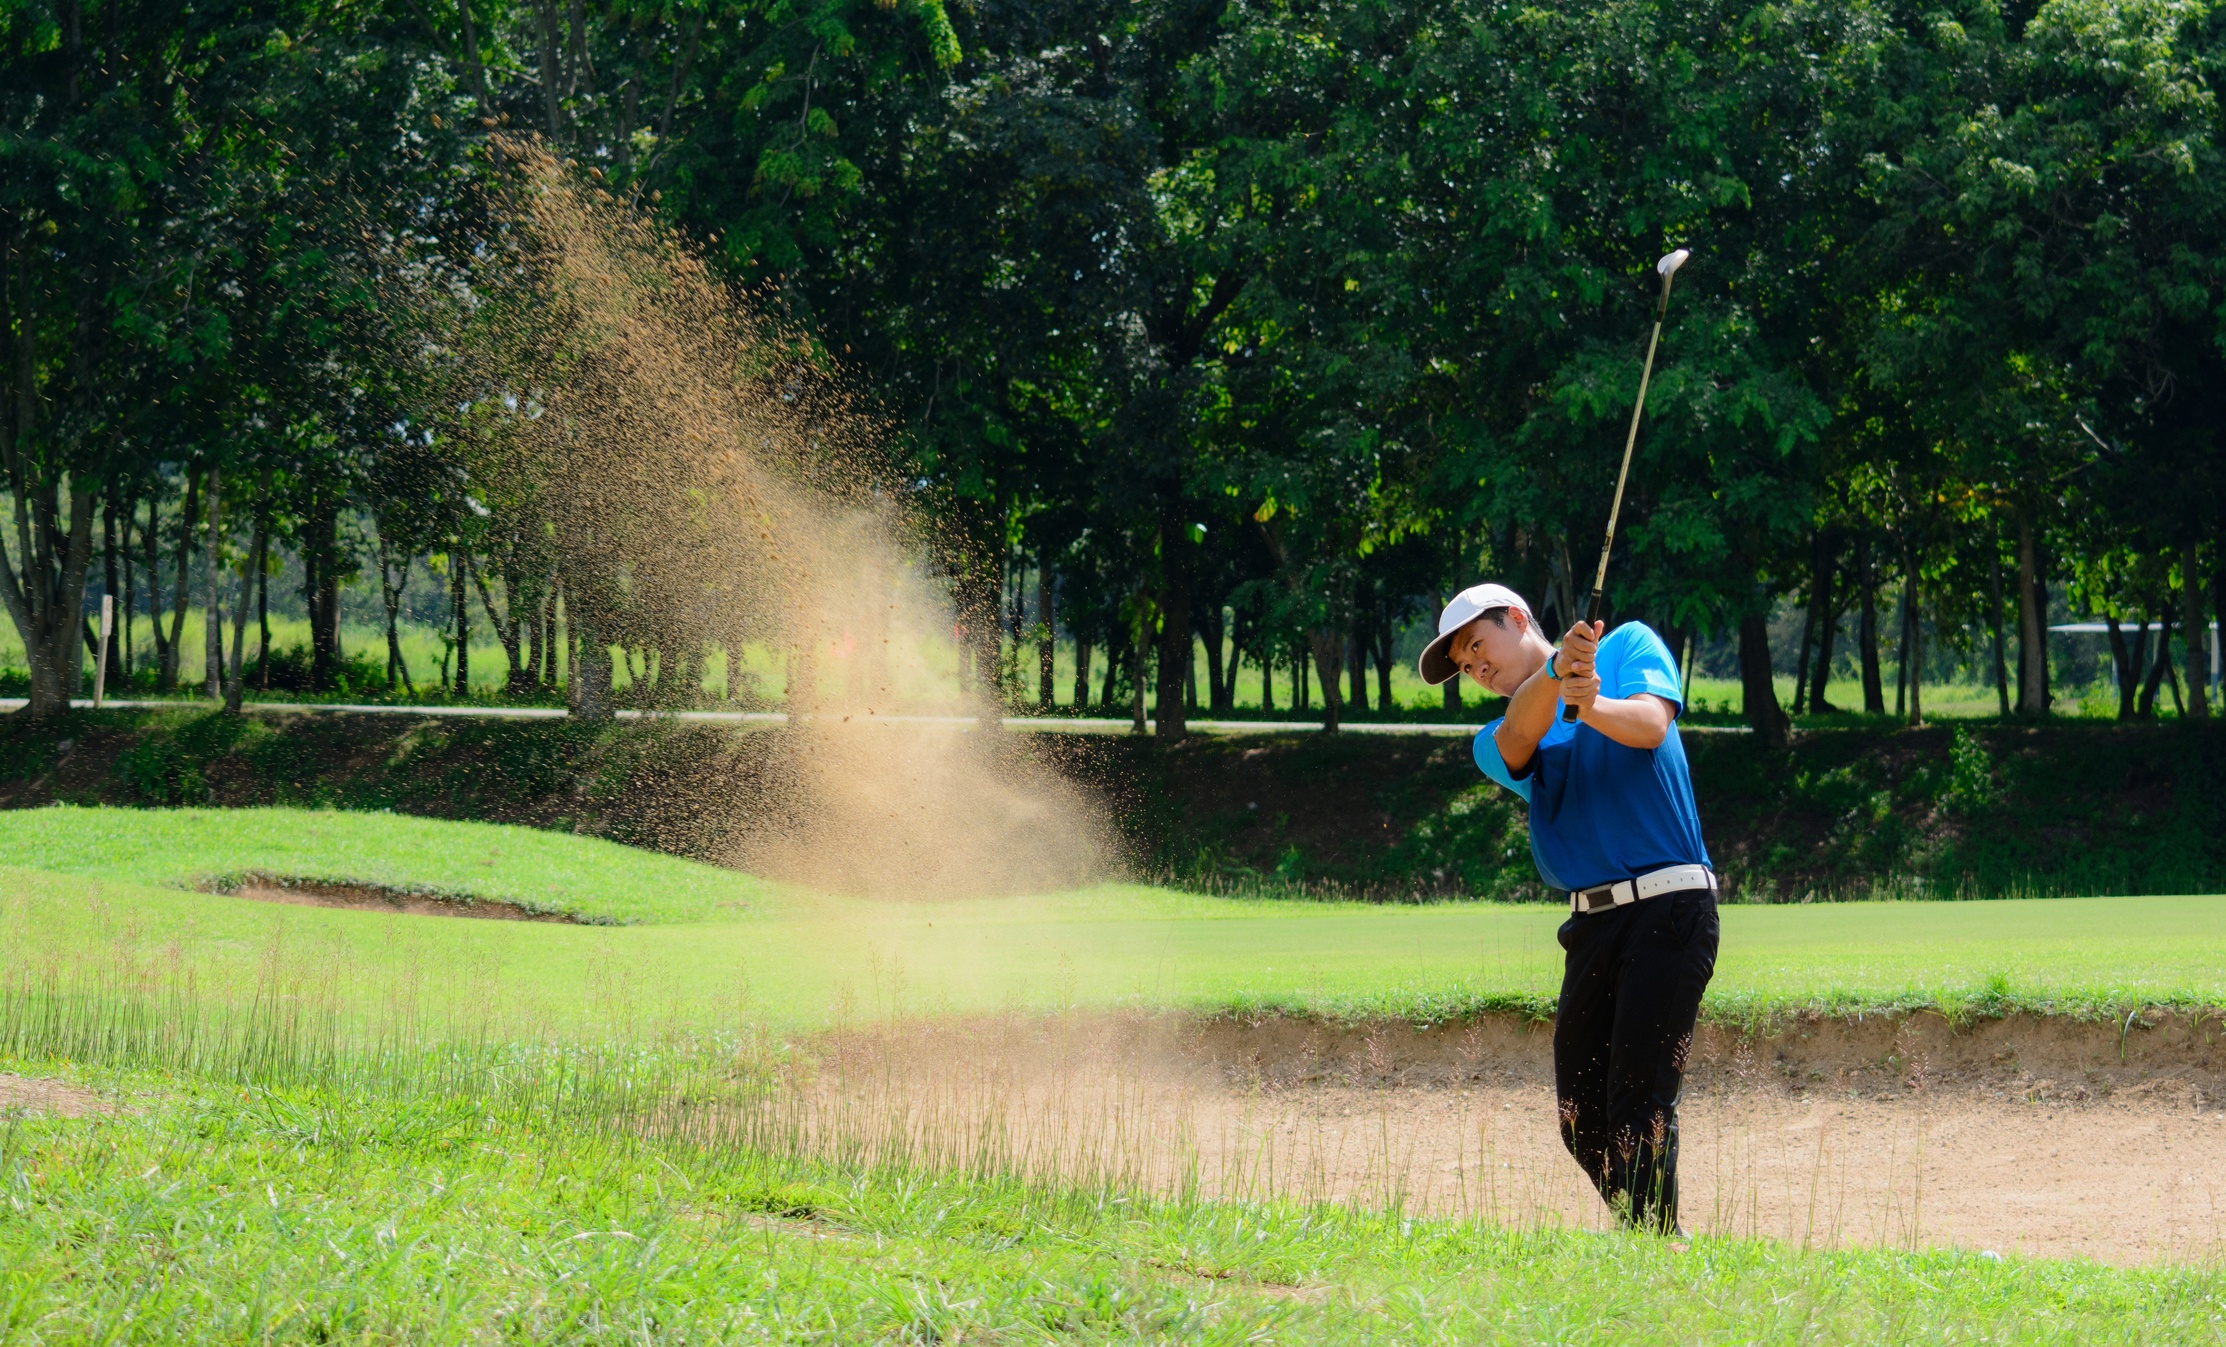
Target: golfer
[[1612, 822]]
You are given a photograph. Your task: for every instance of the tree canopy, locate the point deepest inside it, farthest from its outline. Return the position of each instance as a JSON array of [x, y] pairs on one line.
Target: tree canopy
[[1296, 313]]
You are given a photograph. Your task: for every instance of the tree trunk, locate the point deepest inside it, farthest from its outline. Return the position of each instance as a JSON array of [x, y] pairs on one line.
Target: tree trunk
[[1758, 690], [1329, 659], [1215, 629], [1817, 565], [320, 554], [212, 674], [1082, 657], [189, 512], [537, 631], [2032, 636], [1174, 626], [590, 669], [1356, 670], [1047, 648], [1801, 665], [509, 632], [1994, 624], [111, 582], [1267, 678], [2159, 666], [459, 602], [1828, 620], [46, 597], [1866, 638], [1302, 690], [263, 603], [1138, 654], [474, 68], [131, 596], [571, 644], [394, 583], [2195, 627], [2141, 655], [1913, 607], [235, 683], [551, 76], [2123, 662], [1383, 651], [1901, 654], [2218, 612]]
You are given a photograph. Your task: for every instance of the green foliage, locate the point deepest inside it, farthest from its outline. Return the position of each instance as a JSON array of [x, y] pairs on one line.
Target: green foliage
[[1962, 811]]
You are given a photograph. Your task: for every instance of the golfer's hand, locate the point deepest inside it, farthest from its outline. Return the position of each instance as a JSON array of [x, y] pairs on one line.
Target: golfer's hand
[[1579, 689], [1578, 649]]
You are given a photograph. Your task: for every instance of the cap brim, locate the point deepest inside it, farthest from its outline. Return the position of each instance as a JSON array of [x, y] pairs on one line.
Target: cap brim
[[1436, 665]]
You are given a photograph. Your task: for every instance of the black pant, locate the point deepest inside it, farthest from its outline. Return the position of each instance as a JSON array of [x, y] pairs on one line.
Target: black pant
[[1629, 995]]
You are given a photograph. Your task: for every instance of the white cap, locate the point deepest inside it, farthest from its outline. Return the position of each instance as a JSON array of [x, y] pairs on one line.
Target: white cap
[[1436, 665]]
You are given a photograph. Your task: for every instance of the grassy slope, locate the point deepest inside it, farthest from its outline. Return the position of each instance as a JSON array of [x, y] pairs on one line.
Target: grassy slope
[[545, 871], [798, 958], [207, 1213]]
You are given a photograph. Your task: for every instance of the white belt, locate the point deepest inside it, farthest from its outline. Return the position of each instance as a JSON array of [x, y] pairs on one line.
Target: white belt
[[1624, 892]]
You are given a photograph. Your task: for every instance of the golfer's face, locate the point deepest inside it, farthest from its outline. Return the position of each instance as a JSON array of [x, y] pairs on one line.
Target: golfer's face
[[1493, 655]]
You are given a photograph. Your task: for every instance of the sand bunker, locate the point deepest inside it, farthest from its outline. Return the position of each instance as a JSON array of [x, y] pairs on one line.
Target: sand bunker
[[372, 898], [2014, 1136]]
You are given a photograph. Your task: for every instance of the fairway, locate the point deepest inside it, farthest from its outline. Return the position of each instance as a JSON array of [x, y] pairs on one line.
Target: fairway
[[280, 1100], [703, 945]]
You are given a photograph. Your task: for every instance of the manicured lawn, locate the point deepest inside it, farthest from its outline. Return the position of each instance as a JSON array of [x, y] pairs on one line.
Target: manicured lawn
[[521, 1149], [712, 944], [548, 872]]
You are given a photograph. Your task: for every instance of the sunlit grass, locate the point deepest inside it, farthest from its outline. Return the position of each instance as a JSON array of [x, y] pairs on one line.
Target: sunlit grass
[[201, 1211], [321, 1125], [710, 939]]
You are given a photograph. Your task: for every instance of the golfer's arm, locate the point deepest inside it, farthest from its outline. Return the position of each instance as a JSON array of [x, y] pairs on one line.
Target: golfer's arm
[[1635, 722], [1530, 713]]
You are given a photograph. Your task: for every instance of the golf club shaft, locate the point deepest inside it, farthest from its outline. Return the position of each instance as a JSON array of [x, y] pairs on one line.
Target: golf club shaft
[[1623, 474]]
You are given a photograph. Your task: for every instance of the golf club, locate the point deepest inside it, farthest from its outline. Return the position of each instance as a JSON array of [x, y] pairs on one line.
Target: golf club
[[1668, 267]]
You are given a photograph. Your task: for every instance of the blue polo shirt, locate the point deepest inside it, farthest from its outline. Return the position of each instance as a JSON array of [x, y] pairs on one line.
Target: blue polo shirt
[[1601, 811]]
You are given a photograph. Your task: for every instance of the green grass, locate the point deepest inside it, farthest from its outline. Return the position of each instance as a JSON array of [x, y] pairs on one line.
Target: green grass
[[337, 1126], [203, 1211], [710, 944], [583, 877]]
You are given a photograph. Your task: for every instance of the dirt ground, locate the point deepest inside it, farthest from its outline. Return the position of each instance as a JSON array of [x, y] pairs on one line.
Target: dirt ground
[[368, 898], [2027, 1136], [29, 1094]]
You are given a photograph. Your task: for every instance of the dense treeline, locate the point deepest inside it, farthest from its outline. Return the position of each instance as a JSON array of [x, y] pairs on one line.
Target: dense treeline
[[1184, 313]]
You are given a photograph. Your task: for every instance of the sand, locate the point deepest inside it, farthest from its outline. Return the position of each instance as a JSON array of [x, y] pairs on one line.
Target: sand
[[2022, 1136]]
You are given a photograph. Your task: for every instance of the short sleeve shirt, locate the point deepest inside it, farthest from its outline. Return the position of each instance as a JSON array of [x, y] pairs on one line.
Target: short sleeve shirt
[[1601, 811]]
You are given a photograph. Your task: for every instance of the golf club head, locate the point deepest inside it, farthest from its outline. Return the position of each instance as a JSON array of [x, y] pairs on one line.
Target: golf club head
[[1668, 265]]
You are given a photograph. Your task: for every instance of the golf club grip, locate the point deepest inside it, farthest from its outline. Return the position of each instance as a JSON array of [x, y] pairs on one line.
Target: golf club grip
[[1592, 614]]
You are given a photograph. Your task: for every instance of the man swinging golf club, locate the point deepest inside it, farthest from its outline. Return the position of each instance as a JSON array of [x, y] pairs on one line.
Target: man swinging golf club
[[1612, 821]]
